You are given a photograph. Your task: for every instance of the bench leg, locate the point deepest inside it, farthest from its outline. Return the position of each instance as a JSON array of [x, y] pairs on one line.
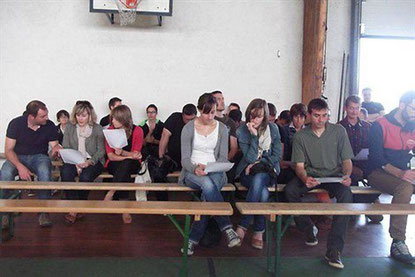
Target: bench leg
[[268, 238], [277, 262], [183, 270]]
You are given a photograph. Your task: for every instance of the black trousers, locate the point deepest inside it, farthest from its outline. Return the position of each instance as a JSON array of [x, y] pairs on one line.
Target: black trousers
[[296, 188], [89, 174], [122, 174]]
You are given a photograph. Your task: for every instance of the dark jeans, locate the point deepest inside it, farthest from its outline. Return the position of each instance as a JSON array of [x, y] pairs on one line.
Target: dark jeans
[[257, 192], [89, 174], [211, 186], [296, 188], [122, 174], [39, 164]]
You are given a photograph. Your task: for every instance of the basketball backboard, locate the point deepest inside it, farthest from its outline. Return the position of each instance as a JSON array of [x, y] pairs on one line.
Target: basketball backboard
[[149, 7]]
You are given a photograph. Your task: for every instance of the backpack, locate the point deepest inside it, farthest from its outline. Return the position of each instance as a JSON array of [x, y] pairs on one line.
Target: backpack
[[212, 235]]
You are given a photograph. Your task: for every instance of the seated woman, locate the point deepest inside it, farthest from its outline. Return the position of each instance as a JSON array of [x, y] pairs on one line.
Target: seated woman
[[261, 147], [62, 117], [152, 130], [126, 161], [82, 133], [204, 140]]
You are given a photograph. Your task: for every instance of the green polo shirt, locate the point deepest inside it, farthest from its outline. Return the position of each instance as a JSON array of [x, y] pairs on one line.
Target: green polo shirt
[[322, 156]]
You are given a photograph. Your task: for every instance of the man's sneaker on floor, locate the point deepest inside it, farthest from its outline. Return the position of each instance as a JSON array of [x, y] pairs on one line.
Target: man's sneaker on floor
[[375, 218], [311, 236], [31, 193], [44, 220], [400, 252], [232, 237], [333, 258], [190, 248]]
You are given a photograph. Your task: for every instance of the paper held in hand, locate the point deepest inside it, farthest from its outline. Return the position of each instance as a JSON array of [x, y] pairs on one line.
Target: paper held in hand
[[116, 138], [363, 155], [329, 180], [218, 167], [71, 156]]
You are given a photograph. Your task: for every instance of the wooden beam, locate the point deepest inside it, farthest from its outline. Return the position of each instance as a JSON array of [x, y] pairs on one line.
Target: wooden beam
[[314, 34]]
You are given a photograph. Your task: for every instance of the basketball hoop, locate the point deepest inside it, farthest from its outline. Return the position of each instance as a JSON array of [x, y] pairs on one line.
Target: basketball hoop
[[127, 10]]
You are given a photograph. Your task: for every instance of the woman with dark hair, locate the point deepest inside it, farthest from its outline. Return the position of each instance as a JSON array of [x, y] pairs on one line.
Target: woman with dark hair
[[205, 140], [82, 133], [62, 117], [152, 131], [261, 147], [126, 161]]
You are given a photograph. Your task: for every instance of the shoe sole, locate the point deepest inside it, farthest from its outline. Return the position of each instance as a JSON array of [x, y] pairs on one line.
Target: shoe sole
[[233, 244], [335, 265], [188, 253], [311, 243]]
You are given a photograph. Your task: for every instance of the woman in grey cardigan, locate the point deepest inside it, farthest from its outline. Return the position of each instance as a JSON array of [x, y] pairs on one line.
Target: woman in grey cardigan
[[84, 135], [204, 140]]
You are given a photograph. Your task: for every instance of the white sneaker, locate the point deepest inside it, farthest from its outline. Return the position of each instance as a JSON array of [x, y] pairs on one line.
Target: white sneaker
[[232, 237]]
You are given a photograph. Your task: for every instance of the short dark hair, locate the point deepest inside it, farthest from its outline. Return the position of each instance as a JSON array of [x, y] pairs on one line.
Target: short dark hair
[[34, 106], [298, 109], [272, 109], [206, 103], [407, 97], [189, 109], [352, 98], [235, 105], [112, 101], [62, 113], [236, 115], [317, 104], [216, 92], [152, 106], [285, 115]]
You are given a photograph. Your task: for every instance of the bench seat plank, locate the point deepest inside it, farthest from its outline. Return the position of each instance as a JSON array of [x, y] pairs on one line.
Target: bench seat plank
[[116, 207], [101, 186], [323, 209]]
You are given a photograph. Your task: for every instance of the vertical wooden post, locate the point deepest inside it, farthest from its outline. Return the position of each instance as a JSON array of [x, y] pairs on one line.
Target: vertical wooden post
[[314, 34]]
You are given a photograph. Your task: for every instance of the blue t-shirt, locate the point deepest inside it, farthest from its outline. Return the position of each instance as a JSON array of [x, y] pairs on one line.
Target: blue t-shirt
[[29, 142]]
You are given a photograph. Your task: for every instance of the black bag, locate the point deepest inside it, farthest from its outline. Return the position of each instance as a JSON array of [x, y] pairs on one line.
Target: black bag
[[212, 235], [263, 168], [159, 168]]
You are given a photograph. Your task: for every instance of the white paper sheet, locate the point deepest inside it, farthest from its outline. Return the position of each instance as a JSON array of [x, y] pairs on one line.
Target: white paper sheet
[[116, 138], [329, 180], [218, 167], [362, 155], [71, 156]]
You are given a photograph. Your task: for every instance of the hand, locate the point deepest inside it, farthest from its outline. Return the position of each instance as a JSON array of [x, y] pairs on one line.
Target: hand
[[411, 143], [200, 170], [84, 165], [251, 128], [55, 150], [136, 155], [408, 175], [346, 181], [25, 173], [118, 151], [311, 182], [248, 169]]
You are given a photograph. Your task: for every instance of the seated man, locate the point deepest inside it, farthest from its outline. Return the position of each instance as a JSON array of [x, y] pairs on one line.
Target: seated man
[[374, 109], [284, 118], [114, 102], [358, 132], [322, 149], [152, 130], [391, 141], [26, 149], [170, 143]]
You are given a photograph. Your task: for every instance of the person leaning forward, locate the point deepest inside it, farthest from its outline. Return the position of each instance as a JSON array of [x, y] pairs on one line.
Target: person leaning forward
[[322, 149], [27, 140]]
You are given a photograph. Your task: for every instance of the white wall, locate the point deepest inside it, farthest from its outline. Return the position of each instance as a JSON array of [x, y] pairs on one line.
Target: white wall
[[58, 52]]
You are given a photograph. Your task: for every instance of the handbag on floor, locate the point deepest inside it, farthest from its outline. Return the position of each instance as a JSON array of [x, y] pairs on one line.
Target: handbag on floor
[[143, 176]]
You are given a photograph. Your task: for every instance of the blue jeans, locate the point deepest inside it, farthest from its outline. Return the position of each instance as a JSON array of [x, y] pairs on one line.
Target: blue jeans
[[39, 164], [211, 186], [257, 192]]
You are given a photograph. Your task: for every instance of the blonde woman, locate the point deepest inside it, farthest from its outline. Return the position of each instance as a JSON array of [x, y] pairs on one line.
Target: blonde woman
[[126, 161], [82, 133]]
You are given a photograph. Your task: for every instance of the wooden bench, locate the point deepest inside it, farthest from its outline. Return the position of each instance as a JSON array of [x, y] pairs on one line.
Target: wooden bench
[[276, 210], [280, 188], [188, 209]]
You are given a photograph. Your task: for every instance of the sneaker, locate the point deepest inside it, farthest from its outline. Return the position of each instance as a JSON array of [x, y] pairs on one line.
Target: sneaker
[[44, 220], [400, 252], [190, 248], [311, 236], [333, 258], [232, 237], [375, 219]]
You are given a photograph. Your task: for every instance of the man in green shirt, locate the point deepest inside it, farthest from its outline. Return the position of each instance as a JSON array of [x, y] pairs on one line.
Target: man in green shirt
[[322, 149]]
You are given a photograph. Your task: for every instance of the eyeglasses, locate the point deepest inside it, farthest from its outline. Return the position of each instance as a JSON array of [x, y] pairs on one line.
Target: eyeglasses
[[152, 112]]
